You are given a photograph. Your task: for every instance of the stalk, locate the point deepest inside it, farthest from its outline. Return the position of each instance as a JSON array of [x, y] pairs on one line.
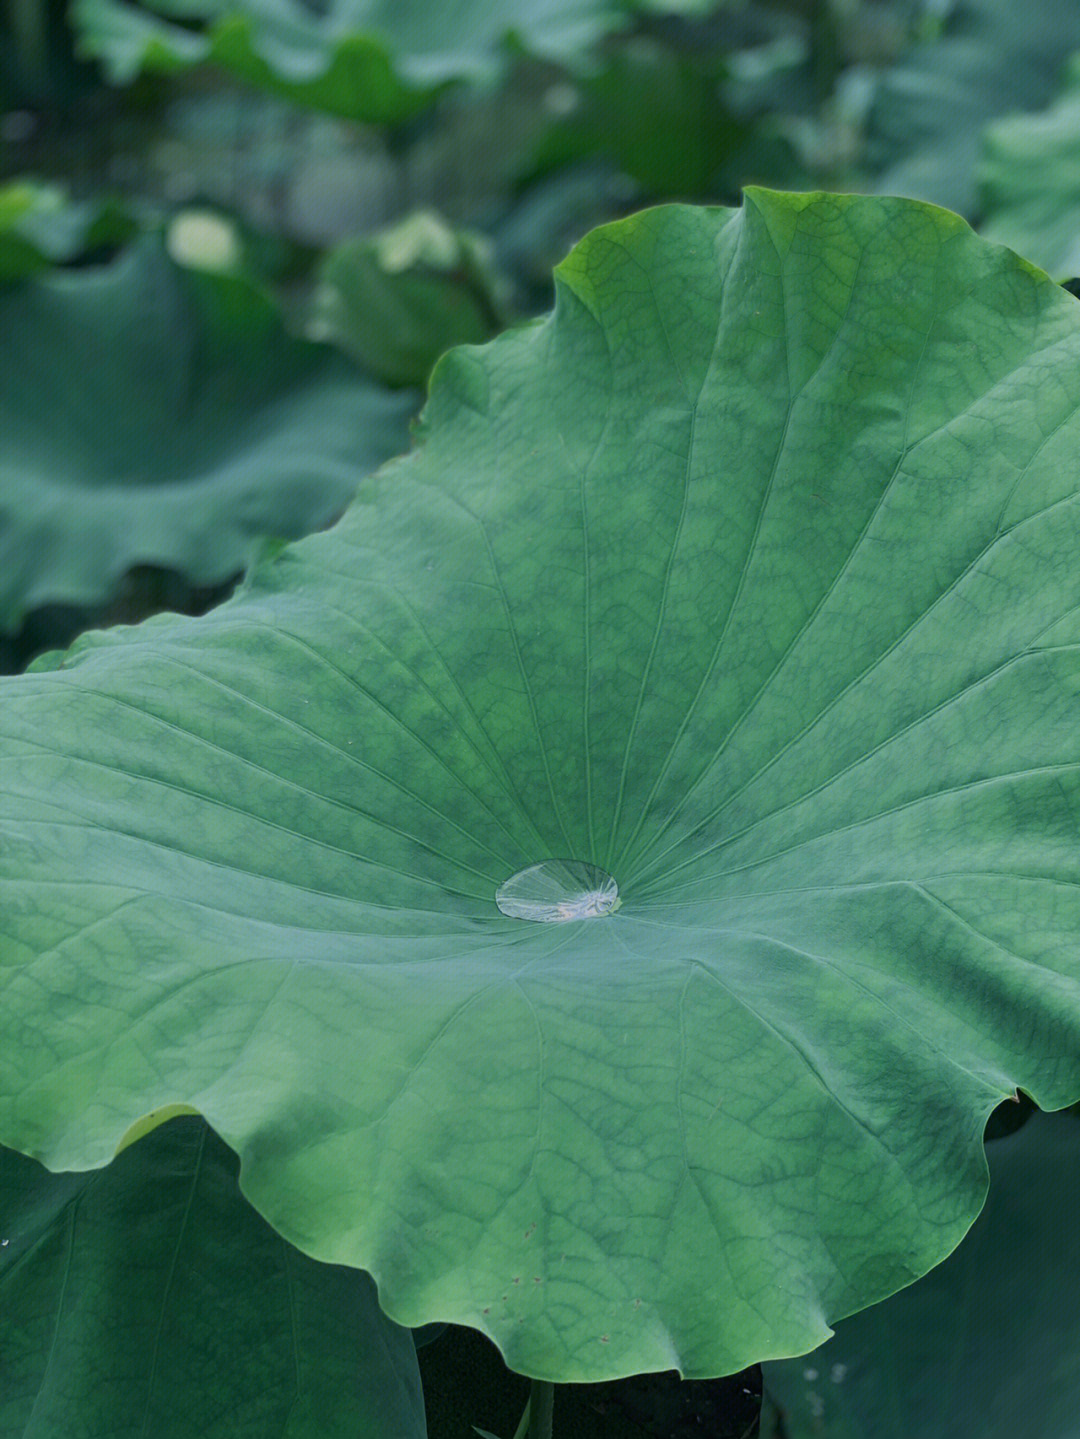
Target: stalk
[[536, 1421], [541, 1405]]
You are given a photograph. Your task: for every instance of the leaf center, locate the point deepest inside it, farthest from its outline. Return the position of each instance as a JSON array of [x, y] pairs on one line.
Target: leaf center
[[558, 890]]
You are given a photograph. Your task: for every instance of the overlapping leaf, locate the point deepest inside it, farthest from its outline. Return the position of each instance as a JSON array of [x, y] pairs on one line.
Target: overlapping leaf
[[150, 415], [748, 576], [149, 1298], [987, 1344]]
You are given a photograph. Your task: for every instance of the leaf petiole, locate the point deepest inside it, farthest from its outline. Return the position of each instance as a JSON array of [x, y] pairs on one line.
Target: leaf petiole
[[536, 1420]]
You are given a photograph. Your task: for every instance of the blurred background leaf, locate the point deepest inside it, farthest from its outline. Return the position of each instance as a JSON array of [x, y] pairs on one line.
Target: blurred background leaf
[[1031, 182], [156, 415], [989, 58], [397, 300], [40, 226], [363, 60]]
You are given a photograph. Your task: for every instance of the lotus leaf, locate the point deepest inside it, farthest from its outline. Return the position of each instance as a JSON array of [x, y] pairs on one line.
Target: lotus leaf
[[747, 578], [148, 1297], [152, 415], [987, 1343]]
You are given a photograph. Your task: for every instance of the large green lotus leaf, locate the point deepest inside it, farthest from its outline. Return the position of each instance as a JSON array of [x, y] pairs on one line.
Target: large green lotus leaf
[[928, 120], [986, 1345], [749, 577], [374, 60], [150, 1298], [152, 415], [1031, 182]]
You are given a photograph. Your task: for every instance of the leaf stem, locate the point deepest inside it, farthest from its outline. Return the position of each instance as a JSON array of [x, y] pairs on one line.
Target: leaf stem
[[541, 1405]]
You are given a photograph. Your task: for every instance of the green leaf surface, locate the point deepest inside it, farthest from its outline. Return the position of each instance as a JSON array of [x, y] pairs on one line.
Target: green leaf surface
[[149, 1298], [1031, 182], [151, 415], [747, 577], [988, 1344], [995, 57], [372, 60]]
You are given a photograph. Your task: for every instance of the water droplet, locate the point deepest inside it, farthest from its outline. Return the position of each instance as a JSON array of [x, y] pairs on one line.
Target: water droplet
[[558, 890]]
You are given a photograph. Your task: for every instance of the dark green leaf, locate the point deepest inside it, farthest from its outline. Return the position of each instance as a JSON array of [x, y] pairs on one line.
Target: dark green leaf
[[653, 110], [150, 1298], [988, 1344], [151, 415]]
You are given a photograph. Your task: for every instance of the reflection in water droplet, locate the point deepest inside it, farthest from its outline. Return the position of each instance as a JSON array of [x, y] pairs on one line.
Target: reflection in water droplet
[[558, 890]]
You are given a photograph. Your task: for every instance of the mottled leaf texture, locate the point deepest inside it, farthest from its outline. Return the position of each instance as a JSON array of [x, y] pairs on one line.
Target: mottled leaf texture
[[747, 578]]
